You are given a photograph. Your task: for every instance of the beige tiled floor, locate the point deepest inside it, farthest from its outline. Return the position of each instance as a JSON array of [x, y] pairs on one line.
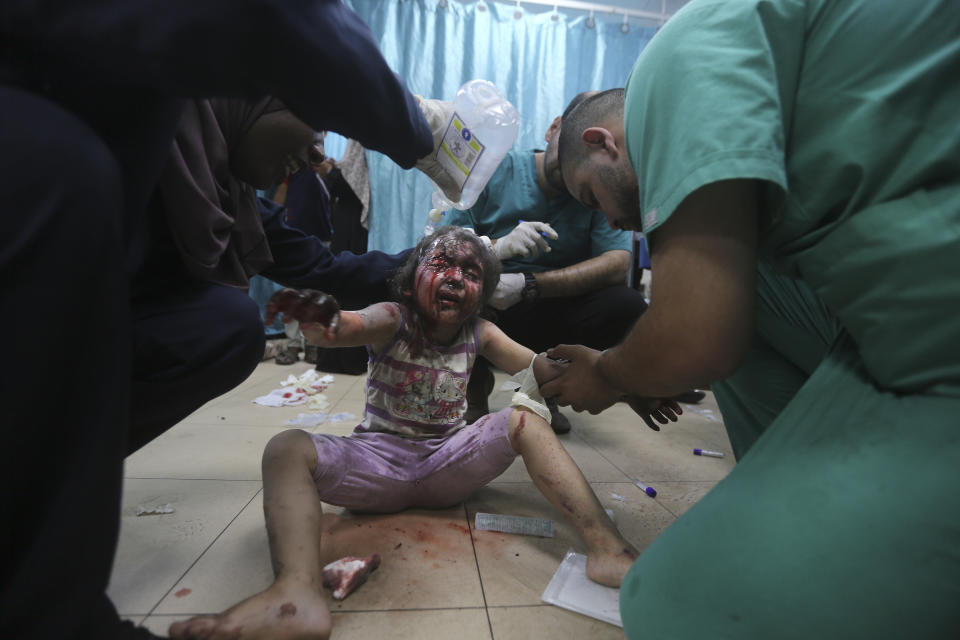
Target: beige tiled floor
[[439, 579]]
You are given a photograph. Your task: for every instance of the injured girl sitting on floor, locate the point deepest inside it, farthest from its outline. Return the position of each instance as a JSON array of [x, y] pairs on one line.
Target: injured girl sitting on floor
[[413, 447]]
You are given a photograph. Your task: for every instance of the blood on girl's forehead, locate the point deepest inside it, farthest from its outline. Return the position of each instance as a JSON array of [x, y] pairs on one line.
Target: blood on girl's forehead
[[450, 251]]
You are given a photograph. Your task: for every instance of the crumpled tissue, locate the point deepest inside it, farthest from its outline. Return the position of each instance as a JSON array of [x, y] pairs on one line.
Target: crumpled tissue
[[297, 390], [307, 419], [144, 510]]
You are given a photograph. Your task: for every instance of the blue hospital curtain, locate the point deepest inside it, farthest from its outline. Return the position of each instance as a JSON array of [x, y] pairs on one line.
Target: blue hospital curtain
[[539, 61]]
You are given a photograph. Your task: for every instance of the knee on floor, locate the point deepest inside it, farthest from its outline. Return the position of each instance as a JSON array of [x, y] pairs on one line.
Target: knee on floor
[[288, 447], [241, 331]]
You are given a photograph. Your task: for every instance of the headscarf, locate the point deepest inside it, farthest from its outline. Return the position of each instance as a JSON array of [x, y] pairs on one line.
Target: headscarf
[[353, 166], [212, 216]]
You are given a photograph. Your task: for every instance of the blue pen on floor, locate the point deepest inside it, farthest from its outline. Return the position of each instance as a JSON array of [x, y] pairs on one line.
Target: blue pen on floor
[[650, 491], [707, 452], [543, 233]]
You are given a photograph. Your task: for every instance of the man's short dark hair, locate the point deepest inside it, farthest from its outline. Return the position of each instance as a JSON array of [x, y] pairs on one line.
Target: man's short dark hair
[[577, 99], [587, 113]]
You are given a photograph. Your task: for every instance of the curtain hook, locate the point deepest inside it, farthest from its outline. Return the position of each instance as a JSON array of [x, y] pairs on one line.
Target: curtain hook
[[625, 26], [555, 16], [591, 23], [519, 12], [481, 6], [442, 4]]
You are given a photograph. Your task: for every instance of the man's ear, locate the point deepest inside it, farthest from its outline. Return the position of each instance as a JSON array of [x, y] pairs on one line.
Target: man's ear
[[552, 129], [597, 138]]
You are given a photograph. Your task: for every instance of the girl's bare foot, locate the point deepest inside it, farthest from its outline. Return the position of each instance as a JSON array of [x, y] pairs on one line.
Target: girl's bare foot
[[609, 567], [282, 612]]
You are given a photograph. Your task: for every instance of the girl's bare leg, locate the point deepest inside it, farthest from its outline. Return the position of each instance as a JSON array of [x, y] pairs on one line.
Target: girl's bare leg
[[293, 606], [559, 479]]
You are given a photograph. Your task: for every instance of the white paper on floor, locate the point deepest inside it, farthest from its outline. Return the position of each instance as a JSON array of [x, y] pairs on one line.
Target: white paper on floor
[[154, 511], [309, 378], [706, 413], [318, 402], [342, 416], [282, 398], [295, 391], [307, 419], [570, 588]]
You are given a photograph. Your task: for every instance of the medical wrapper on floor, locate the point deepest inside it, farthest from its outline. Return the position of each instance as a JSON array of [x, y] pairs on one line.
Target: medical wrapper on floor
[[570, 588], [513, 524]]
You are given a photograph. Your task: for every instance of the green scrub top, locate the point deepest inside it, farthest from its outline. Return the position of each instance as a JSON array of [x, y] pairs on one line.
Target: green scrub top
[[848, 114], [512, 195]]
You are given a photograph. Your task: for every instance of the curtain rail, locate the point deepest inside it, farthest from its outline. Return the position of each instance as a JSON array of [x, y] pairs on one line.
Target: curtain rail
[[598, 8]]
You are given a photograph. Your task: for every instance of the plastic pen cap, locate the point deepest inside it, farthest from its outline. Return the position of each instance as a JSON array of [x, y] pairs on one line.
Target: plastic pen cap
[[707, 452], [542, 233], [650, 491]]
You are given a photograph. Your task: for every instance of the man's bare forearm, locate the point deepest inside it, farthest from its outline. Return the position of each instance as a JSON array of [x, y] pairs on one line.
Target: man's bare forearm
[[606, 270], [652, 361], [700, 320]]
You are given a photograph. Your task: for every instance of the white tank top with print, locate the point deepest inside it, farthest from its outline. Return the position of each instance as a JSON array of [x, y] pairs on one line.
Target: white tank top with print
[[423, 396]]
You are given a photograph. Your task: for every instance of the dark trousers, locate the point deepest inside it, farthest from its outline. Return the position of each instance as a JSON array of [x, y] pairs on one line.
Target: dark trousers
[[64, 391], [67, 419], [192, 341], [599, 319]]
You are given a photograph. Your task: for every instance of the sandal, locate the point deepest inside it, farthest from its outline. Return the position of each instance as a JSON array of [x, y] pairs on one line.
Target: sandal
[[273, 348], [291, 355]]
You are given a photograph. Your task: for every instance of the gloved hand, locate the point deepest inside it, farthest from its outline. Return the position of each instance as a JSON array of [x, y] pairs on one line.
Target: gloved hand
[[525, 240], [509, 291], [438, 115]]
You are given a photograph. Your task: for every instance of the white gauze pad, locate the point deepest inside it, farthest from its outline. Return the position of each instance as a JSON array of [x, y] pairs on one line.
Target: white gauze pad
[[528, 395]]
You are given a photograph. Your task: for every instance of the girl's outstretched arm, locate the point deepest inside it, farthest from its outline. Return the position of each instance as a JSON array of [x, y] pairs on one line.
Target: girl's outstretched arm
[[511, 356], [373, 325]]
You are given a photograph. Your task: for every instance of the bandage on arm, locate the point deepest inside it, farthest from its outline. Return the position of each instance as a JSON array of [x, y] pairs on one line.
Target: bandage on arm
[[528, 395]]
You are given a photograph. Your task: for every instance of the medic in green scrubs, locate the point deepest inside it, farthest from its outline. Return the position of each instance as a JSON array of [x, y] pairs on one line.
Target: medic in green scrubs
[[796, 168]]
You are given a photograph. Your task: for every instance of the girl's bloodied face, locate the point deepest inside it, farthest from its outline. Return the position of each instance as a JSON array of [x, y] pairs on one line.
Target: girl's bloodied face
[[449, 283]]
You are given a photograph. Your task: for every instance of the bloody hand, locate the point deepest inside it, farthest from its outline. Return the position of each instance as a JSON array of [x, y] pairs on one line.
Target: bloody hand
[[304, 306]]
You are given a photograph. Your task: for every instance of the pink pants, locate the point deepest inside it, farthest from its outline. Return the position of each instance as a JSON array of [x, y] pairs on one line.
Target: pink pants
[[384, 472]]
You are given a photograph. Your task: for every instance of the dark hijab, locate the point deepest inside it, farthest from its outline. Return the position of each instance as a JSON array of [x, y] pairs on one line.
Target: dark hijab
[[213, 216]]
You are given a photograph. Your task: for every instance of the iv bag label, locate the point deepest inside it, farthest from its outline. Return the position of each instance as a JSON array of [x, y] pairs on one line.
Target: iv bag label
[[459, 151]]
